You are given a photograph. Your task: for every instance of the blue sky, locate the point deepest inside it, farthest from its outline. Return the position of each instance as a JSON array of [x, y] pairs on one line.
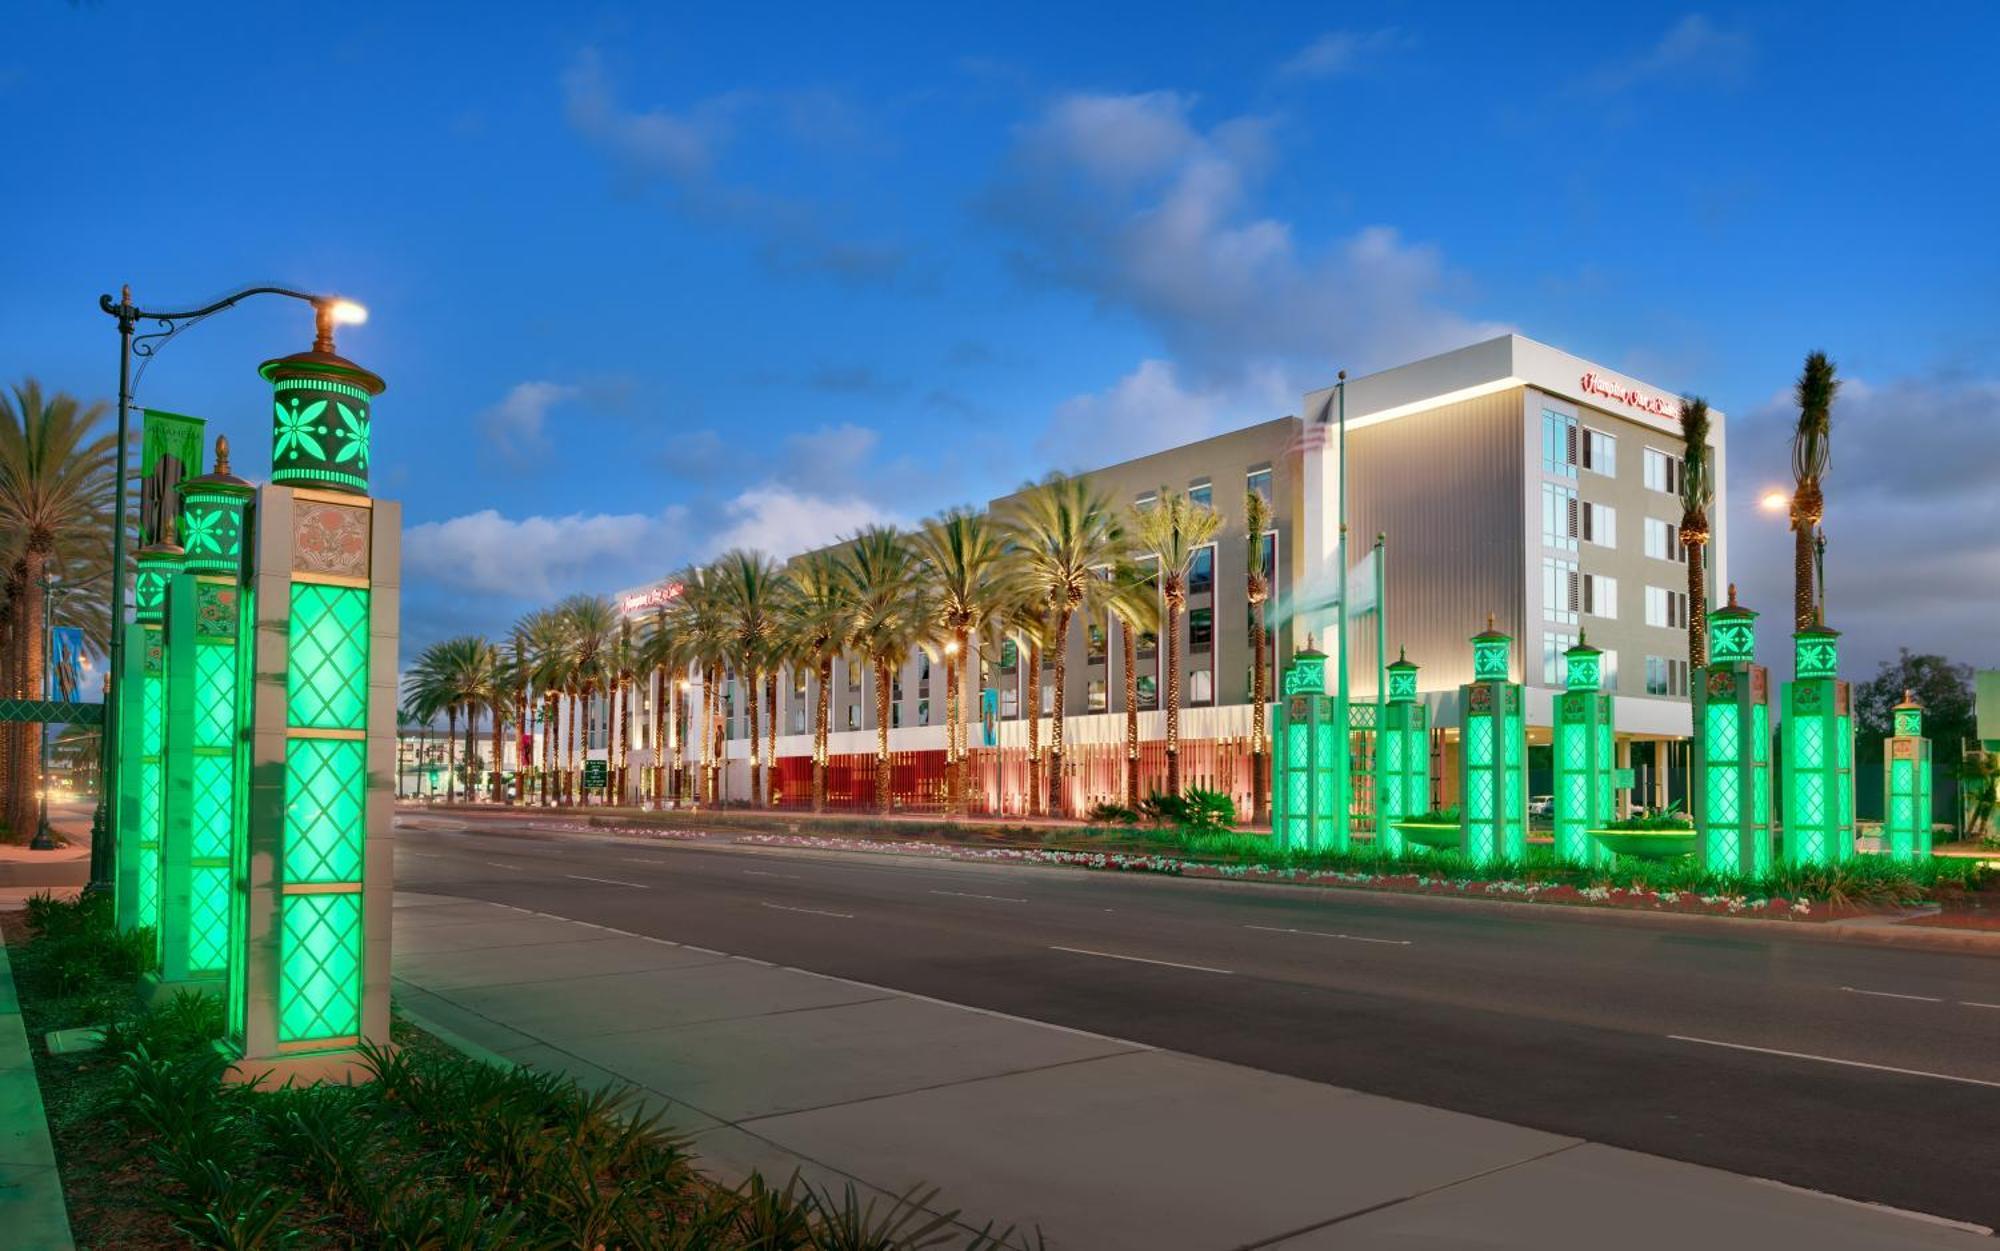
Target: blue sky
[[646, 283]]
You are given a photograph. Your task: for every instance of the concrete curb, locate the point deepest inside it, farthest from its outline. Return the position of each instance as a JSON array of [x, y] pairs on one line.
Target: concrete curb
[[31, 1195]]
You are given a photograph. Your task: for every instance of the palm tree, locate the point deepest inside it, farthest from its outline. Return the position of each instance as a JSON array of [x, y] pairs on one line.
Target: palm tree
[[57, 479], [747, 583], [449, 676], [1172, 531], [591, 629], [1024, 621], [891, 616], [698, 617], [816, 615], [1816, 388], [1067, 532], [1697, 490], [661, 658], [969, 572], [544, 637], [1136, 604], [1257, 589]]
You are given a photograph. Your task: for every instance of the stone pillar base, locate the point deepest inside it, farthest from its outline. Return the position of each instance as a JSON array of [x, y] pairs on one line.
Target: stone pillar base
[[345, 1068]]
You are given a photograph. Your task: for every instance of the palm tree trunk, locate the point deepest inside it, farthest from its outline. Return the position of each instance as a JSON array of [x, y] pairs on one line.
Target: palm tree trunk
[[551, 711], [1697, 621], [1034, 729], [499, 728], [881, 735], [27, 768], [771, 741], [1130, 638], [754, 689], [822, 701], [1058, 801], [657, 683], [1804, 598], [1260, 775], [450, 750], [570, 793], [1173, 693], [471, 729], [959, 677]]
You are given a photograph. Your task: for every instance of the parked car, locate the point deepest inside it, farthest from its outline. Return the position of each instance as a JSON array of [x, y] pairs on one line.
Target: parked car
[[1542, 806]]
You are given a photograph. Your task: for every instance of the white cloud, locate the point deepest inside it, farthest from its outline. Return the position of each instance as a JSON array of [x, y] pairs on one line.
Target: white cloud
[[1150, 409], [1693, 49], [1340, 52], [1913, 520], [1125, 199], [538, 558], [782, 522], [515, 426], [677, 145]]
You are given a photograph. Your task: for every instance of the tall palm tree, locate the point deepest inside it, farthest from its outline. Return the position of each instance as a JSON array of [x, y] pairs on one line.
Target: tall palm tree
[[591, 627], [545, 638], [57, 483], [1257, 589], [1815, 391], [1136, 604], [699, 617], [1697, 490], [747, 583], [969, 572], [1172, 531], [816, 616], [618, 732], [1067, 532], [1024, 622], [451, 676], [891, 616], [661, 660]]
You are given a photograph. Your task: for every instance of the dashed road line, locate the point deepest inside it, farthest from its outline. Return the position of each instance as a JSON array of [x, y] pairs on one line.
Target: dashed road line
[[1171, 964], [1852, 1064], [818, 912], [608, 881], [966, 894], [1352, 938]]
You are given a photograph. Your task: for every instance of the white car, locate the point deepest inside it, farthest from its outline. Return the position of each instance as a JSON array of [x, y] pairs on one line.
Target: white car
[[1542, 806]]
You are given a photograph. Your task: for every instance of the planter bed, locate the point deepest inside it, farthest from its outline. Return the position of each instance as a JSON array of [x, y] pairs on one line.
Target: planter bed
[[1778, 909]]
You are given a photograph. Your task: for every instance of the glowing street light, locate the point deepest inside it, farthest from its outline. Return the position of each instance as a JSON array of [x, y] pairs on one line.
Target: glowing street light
[[348, 313], [1775, 500]]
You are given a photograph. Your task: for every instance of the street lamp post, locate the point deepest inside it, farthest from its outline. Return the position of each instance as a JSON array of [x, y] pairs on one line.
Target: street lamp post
[[327, 310]]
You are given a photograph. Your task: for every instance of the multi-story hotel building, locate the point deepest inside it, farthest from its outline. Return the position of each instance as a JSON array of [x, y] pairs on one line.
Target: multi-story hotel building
[[1505, 478]]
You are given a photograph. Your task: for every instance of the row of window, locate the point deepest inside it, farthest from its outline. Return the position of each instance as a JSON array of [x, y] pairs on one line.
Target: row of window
[[1568, 446], [1201, 490]]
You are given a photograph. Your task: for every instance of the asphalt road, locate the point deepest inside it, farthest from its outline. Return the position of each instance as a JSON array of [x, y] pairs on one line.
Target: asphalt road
[[1867, 1072]]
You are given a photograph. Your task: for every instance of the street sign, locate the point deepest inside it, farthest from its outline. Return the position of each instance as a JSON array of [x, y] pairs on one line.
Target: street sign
[[1624, 779], [596, 774]]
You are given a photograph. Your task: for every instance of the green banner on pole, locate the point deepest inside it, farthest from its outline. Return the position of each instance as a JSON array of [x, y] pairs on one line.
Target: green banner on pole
[[169, 451]]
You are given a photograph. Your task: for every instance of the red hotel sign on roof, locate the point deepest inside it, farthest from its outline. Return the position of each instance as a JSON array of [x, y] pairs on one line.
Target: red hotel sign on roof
[[1629, 396], [651, 597]]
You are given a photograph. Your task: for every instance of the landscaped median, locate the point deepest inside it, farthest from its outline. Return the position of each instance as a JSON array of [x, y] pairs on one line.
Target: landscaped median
[[1859, 887], [437, 1151]]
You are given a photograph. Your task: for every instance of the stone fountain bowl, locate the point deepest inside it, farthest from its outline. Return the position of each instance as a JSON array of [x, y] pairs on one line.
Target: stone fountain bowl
[[1647, 844], [1426, 834]]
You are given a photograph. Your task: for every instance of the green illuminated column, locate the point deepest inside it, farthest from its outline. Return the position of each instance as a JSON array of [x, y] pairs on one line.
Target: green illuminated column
[[1402, 758], [1818, 762], [142, 789], [322, 750], [1906, 801], [1583, 758], [1732, 747], [204, 730], [1309, 769], [1492, 756]]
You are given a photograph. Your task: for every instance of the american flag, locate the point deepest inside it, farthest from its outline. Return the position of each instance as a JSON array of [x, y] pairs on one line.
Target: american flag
[[1312, 436]]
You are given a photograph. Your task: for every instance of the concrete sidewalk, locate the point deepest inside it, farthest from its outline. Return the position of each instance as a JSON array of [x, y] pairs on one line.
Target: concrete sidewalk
[[1100, 1142]]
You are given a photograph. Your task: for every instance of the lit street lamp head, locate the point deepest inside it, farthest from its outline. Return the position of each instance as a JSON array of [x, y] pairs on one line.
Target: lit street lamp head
[[1774, 500], [329, 312]]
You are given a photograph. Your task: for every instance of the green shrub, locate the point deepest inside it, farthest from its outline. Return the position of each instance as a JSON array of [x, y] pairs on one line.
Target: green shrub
[[1113, 814]]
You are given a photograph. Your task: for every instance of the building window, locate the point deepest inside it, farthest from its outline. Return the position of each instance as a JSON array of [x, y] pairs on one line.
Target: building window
[[1259, 480], [923, 666], [1094, 691], [1559, 516], [1665, 676], [1607, 669], [1559, 590], [854, 716], [798, 721], [798, 680], [1149, 692], [923, 712], [1600, 596], [853, 676], [895, 716], [1558, 444], [1145, 499], [1663, 541], [1663, 471], [1147, 645], [1010, 703], [1201, 629], [1599, 525], [1095, 651], [1201, 492], [1201, 572], [1665, 608], [1048, 698], [1555, 665], [1201, 687], [1600, 452]]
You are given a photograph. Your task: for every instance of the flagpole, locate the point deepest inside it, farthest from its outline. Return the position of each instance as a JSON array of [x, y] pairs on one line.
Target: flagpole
[[1346, 723], [1381, 627]]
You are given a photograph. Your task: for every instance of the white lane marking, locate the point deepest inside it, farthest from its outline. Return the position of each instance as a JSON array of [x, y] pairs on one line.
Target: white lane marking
[[608, 881], [639, 859], [1967, 1003], [845, 916], [428, 855], [511, 868], [1112, 955], [1352, 938], [1890, 994], [1853, 1064], [965, 894], [762, 873]]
